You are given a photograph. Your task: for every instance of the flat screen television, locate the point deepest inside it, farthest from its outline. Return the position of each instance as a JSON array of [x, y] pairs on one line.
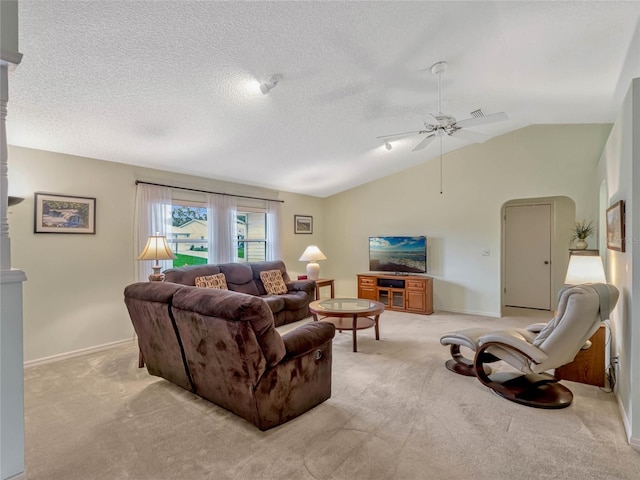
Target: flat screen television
[[398, 254]]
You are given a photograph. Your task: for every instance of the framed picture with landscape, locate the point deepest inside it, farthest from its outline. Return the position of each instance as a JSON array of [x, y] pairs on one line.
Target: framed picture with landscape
[[64, 214], [303, 223], [615, 227]]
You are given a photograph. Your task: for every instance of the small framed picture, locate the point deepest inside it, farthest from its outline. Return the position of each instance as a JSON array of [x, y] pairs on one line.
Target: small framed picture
[[615, 227], [303, 224], [64, 214]]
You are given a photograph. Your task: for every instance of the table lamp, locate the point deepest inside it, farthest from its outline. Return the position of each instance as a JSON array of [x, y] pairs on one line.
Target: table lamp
[[156, 249], [312, 254], [585, 266]]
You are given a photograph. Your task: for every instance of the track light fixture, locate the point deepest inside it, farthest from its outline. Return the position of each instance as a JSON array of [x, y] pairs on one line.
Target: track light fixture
[[269, 84], [387, 145]]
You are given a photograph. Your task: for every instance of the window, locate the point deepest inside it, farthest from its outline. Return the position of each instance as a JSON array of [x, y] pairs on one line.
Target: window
[[188, 238], [252, 236], [189, 242]]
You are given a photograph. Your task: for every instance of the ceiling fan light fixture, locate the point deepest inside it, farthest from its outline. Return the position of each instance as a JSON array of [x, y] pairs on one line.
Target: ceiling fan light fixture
[[387, 145], [270, 83], [439, 67]]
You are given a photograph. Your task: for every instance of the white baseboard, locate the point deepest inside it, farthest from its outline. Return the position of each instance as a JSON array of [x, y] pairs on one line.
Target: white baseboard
[[468, 312], [634, 442], [76, 353], [20, 476]]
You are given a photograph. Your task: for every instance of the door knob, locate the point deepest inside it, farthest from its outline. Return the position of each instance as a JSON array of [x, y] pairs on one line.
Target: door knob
[[546, 262]]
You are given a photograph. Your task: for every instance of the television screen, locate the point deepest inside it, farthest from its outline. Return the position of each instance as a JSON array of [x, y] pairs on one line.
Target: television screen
[[398, 254]]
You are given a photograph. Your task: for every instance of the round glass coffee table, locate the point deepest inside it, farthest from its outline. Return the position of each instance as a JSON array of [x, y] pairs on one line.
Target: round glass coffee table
[[348, 314]]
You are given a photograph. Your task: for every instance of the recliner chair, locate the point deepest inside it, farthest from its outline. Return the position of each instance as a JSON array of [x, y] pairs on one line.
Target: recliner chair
[[581, 309]]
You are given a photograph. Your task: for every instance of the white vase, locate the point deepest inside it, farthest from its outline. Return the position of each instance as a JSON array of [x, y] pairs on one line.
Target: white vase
[[581, 245]]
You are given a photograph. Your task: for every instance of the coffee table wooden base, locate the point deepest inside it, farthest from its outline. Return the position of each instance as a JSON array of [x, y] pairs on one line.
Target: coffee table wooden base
[[349, 320]]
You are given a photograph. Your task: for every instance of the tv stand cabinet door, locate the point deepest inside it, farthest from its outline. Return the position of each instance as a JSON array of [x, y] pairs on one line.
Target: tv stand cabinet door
[[392, 298], [415, 301], [367, 288], [419, 295], [415, 292]]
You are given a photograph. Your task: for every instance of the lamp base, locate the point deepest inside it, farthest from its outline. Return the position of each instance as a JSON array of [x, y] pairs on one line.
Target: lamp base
[[313, 271], [156, 276]]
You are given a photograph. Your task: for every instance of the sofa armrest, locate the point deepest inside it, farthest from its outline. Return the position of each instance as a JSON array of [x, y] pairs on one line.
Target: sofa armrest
[[308, 286], [307, 337]]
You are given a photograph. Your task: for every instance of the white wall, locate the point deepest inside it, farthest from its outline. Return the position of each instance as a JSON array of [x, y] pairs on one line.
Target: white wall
[[622, 178], [537, 161], [73, 298]]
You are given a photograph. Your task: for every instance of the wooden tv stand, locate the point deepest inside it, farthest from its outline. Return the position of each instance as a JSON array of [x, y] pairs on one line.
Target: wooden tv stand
[[405, 293]]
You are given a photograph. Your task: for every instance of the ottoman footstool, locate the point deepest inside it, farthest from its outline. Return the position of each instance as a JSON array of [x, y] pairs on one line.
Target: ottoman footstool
[[465, 338]]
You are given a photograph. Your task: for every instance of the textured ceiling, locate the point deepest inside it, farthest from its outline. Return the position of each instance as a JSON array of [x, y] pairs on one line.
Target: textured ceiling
[[175, 85]]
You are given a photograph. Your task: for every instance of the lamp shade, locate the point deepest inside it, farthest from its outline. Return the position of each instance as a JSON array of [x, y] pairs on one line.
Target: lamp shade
[[312, 254], [156, 248], [585, 269]]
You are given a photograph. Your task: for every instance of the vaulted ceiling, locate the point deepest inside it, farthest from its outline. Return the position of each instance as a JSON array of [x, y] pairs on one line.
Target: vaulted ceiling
[[174, 85]]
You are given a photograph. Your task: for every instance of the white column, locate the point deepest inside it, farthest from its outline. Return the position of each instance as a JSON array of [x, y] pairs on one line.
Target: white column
[[5, 242], [11, 354], [11, 376]]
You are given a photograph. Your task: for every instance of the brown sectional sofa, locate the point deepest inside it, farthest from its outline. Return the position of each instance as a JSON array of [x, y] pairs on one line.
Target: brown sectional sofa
[[245, 278], [223, 346]]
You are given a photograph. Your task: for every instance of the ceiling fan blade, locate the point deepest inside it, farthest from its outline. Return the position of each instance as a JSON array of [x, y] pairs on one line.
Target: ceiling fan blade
[[431, 119], [423, 143], [403, 133], [474, 137], [491, 118]]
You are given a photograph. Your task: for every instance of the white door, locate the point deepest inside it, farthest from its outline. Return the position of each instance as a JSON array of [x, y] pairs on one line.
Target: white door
[[528, 256]]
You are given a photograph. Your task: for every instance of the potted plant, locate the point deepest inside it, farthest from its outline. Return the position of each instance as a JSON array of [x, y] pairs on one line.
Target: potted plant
[[581, 232]]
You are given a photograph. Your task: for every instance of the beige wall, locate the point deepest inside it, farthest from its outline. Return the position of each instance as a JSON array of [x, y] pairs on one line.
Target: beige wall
[[73, 297], [619, 177], [537, 161], [294, 244]]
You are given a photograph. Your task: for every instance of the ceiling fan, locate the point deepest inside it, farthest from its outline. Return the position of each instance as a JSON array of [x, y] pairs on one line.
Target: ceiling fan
[[441, 125]]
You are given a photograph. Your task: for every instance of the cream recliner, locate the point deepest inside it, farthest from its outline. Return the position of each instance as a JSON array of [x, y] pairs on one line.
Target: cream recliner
[[581, 309]]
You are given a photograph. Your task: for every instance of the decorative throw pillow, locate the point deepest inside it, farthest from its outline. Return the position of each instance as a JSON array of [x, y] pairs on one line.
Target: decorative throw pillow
[[273, 282], [212, 281]]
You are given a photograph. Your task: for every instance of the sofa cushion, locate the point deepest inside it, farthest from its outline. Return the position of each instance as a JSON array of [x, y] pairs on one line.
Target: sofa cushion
[[295, 300], [258, 267], [273, 282], [187, 275], [212, 281], [276, 302], [239, 278]]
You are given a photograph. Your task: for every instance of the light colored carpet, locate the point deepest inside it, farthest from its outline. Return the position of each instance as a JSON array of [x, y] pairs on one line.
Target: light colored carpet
[[395, 413]]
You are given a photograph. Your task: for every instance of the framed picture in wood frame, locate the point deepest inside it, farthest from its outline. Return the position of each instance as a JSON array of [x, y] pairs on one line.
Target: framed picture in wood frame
[[303, 224], [55, 213], [616, 227]]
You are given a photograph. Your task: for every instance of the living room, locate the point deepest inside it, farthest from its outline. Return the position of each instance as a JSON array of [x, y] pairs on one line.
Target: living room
[[73, 295]]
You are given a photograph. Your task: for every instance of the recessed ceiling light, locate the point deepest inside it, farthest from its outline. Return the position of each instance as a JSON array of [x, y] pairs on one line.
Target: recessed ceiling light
[[269, 84]]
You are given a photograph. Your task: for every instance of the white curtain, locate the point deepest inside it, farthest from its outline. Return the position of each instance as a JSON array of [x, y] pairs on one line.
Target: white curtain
[[273, 231], [153, 214], [222, 214]]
